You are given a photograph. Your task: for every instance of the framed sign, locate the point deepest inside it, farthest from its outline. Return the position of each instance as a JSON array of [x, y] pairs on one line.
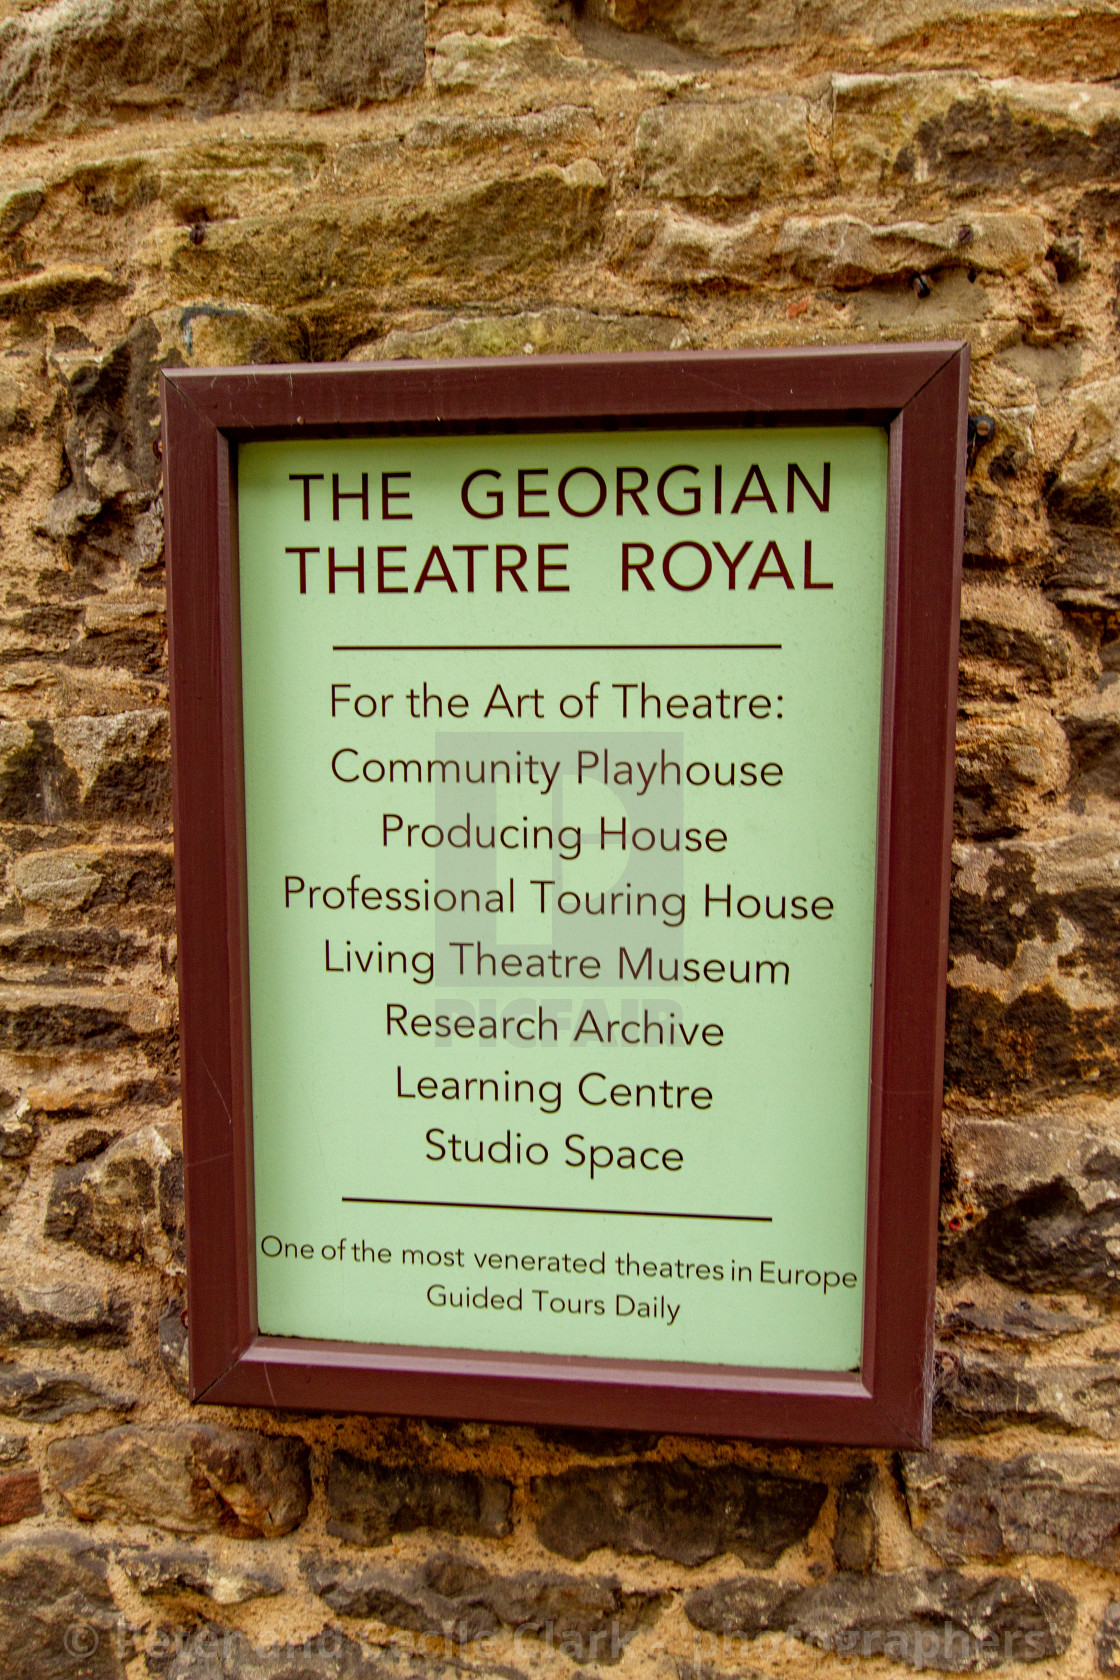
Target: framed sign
[[563, 759]]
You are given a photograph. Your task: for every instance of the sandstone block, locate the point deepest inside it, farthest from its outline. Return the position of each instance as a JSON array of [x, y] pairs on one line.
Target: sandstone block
[[68, 286], [927, 1619], [187, 1478], [125, 1204], [495, 63], [64, 1313], [121, 764], [56, 880], [845, 251], [682, 1511], [156, 1571], [1092, 725], [1014, 628], [1006, 759], [1108, 1639], [1088, 484], [588, 1618], [45, 1396], [36, 784], [20, 204], [955, 131], [553, 331], [854, 1539], [978, 1391], [727, 149], [559, 124], [369, 1502], [1043, 1203], [49, 1583], [1063, 1504], [94, 57], [21, 1495]]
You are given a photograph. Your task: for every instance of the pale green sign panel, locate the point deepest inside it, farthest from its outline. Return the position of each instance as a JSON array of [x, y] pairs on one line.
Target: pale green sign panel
[[561, 770]]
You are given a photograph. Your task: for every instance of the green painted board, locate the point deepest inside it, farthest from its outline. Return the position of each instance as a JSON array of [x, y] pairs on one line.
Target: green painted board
[[561, 812]]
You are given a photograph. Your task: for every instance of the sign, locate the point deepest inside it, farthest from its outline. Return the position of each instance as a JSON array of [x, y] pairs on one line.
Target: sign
[[583, 850]]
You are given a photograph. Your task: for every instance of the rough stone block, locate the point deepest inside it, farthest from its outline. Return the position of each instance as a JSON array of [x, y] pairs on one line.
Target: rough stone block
[[95, 57], [682, 1511], [464, 63], [50, 1583], [61, 880], [1016, 628], [553, 331], [45, 1396], [1007, 758], [370, 1502], [1092, 725], [958, 132], [926, 1619], [187, 1478], [1064, 1504], [63, 1312], [156, 1571], [1039, 1204], [121, 764], [1108, 1639], [126, 1203], [21, 1495], [588, 1618], [977, 1391], [727, 149]]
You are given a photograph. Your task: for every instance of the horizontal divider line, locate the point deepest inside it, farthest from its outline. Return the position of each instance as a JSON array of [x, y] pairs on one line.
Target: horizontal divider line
[[557, 647], [516, 1207]]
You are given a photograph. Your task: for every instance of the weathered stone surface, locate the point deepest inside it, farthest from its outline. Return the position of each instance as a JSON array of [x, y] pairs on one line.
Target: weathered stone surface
[[20, 1496], [50, 1583], [845, 251], [470, 134], [957, 131], [588, 1618], [1006, 759], [121, 764], [464, 63], [1004, 628], [369, 1502], [977, 1391], [1033, 941], [513, 223], [63, 1312], [985, 1309], [126, 1203], [1092, 725], [36, 784], [1108, 1639], [1040, 1205], [1049, 1504], [554, 331], [1087, 486], [100, 56], [55, 880], [683, 1511], [926, 1619], [938, 28], [188, 1478], [157, 1571], [841, 251], [114, 421], [20, 204], [45, 1396], [68, 286], [220, 1652], [730, 149]]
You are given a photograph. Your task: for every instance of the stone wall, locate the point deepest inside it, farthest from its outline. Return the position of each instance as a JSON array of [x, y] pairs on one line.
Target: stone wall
[[221, 181]]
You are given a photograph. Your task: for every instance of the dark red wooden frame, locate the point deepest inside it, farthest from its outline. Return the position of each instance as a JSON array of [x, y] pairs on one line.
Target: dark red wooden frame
[[920, 393]]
